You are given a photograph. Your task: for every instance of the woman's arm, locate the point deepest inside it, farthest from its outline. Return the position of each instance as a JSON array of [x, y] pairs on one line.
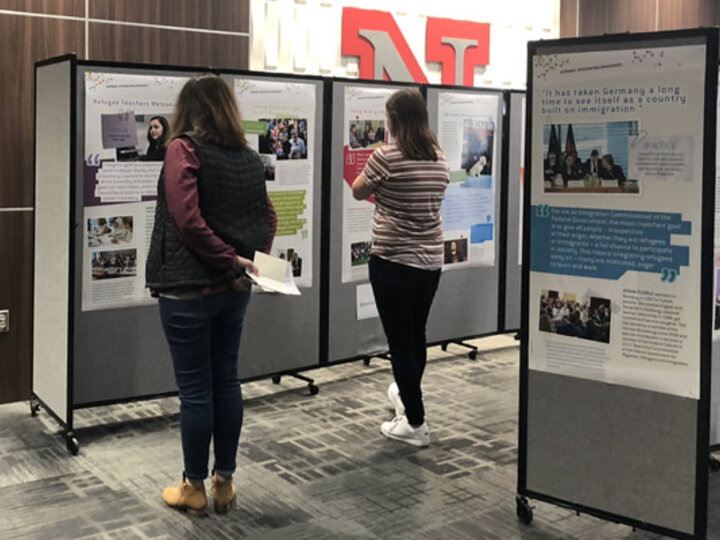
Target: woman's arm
[[361, 189], [181, 169]]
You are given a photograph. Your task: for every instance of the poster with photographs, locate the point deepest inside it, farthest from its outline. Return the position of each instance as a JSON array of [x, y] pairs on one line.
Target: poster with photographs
[[616, 200], [278, 118], [127, 120], [467, 125], [364, 131]]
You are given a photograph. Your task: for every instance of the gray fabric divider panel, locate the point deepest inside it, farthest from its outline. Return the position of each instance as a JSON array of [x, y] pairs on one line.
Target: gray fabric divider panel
[[513, 270], [466, 301], [626, 451], [52, 214], [122, 353], [282, 332], [347, 337]]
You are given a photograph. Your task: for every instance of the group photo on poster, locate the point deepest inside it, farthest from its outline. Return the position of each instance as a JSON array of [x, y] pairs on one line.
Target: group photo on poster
[[278, 117], [467, 133], [616, 216], [365, 129], [594, 157], [127, 125]]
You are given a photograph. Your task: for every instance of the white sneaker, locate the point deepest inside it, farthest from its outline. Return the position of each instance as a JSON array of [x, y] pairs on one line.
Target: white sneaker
[[394, 397], [401, 430]]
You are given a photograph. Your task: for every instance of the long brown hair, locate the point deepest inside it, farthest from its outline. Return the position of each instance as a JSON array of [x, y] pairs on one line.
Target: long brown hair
[[206, 107], [408, 122]]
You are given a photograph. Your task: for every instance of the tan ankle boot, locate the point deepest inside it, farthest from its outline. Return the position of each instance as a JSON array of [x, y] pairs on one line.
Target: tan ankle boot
[[223, 493], [186, 497]]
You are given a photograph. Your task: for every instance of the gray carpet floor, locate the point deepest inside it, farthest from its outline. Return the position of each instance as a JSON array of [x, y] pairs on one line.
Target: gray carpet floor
[[309, 467]]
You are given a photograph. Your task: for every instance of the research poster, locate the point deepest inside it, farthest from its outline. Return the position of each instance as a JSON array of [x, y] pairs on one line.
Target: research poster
[[364, 130], [616, 198], [467, 126], [278, 118], [120, 183]]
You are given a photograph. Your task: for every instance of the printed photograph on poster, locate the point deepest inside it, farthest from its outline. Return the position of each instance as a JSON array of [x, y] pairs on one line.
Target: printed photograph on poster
[[293, 257], [565, 314], [455, 251], [121, 263], [367, 134], [109, 230], [477, 147], [284, 138], [360, 253], [595, 157], [269, 163], [135, 137]]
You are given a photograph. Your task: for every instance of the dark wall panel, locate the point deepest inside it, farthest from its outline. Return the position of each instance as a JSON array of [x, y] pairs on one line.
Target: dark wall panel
[[675, 14], [16, 231], [228, 15], [615, 16], [173, 47], [568, 18], [69, 8], [31, 39]]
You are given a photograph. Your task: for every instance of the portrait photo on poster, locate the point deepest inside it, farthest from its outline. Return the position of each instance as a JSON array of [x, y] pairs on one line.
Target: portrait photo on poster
[[568, 314], [595, 157]]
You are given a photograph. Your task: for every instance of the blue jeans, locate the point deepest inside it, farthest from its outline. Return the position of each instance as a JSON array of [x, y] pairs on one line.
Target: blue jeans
[[403, 295], [204, 338]]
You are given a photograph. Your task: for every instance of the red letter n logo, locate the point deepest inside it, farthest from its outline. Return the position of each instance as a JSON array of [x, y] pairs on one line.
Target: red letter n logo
[[459, 46], [376, 39]]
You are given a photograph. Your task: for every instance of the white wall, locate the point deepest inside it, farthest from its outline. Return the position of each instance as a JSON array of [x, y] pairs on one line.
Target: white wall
[[304, 36]]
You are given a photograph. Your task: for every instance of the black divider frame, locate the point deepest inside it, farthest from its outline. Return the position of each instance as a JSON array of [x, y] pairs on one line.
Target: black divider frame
[[710, 36], [503, 218]]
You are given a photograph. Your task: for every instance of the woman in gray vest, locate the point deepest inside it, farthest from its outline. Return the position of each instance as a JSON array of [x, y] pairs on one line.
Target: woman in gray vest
[[212, 214]]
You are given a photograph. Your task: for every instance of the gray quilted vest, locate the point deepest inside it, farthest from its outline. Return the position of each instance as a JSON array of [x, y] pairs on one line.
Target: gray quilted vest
[[233, 202]]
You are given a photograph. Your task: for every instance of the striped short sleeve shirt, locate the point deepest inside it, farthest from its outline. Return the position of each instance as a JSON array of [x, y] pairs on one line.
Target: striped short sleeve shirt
[[407, 228]]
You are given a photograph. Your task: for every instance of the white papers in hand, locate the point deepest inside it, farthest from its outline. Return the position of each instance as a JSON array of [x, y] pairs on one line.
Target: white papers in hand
[[275, 274]]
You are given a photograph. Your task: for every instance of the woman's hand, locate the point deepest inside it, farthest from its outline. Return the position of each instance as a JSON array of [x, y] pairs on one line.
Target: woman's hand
[[243, 263]]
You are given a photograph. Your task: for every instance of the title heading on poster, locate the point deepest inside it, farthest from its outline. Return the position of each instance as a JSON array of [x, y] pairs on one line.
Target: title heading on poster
[[609, 100], [122, 102]]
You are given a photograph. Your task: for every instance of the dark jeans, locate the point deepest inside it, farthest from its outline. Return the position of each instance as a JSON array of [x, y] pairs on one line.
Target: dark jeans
[[204, 338], [403, 296]]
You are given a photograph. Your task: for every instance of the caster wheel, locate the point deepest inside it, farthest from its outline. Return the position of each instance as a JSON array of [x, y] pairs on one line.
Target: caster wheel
[[313, 389], [472, 355], [73, 446], [524, 510], [366, 361], [34, 407], [276, 379], [444, 346]]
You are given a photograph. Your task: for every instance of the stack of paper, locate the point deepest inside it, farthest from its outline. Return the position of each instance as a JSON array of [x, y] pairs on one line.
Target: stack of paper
[[275, 274]]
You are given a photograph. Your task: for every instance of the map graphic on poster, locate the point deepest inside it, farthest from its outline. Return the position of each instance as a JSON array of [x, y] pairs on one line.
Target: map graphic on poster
[[120, 183], [278, 118], [466, 133], [616, 199], [364, 128]]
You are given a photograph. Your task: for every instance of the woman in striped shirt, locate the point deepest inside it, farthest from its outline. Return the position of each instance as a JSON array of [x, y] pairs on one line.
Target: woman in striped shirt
[[408, 179]]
